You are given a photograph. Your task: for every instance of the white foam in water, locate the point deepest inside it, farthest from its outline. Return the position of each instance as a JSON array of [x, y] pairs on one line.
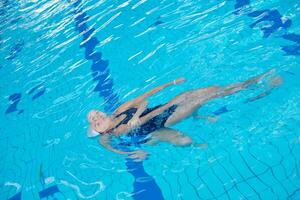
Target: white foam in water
[[78, 190], [49, 180], [14, 184]]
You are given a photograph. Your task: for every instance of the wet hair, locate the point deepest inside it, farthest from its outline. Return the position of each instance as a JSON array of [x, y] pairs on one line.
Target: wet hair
[[89, 115], [93, 112]]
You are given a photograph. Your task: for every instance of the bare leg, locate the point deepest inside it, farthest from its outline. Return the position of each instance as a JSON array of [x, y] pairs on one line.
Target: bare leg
[[234, 88], [170, 136], [189, 102]]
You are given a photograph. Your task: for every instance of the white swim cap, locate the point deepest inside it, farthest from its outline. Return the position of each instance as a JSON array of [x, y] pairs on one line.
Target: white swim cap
[[92, 133]]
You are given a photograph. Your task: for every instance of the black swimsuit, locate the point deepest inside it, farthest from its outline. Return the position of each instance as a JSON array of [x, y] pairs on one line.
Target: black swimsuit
[[154, 124]]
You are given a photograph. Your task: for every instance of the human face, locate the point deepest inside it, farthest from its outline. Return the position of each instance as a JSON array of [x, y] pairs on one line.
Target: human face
[[99, 121]]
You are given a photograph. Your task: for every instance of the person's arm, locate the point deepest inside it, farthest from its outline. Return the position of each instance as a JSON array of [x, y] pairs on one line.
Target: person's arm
[[138, 155], [136, 101], [117, 121], [157, 89], [105, 141], [135, 120], [124, 128], [142, 107]]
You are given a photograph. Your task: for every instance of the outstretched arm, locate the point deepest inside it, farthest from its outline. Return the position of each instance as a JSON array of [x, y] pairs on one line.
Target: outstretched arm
[[157, 89], [138, 100], [138, 155], [105, 141]]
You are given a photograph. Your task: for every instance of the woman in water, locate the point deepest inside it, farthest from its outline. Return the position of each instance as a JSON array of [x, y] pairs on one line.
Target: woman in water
[[151, 125]]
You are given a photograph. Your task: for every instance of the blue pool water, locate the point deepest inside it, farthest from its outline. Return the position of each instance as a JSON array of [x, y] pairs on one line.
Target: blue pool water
[[60, 59]]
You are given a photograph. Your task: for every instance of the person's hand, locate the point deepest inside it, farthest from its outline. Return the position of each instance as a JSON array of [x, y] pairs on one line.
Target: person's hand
[[138, 155], [135, 122], [179, 80]]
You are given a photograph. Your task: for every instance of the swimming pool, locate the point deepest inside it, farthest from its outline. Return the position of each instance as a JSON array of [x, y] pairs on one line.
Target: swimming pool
[[60, 59]]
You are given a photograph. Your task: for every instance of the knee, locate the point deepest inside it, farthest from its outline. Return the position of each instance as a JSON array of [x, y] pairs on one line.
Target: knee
[[184, 141]]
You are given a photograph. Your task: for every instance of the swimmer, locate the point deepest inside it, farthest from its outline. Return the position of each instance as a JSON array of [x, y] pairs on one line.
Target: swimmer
[[152, 125]]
